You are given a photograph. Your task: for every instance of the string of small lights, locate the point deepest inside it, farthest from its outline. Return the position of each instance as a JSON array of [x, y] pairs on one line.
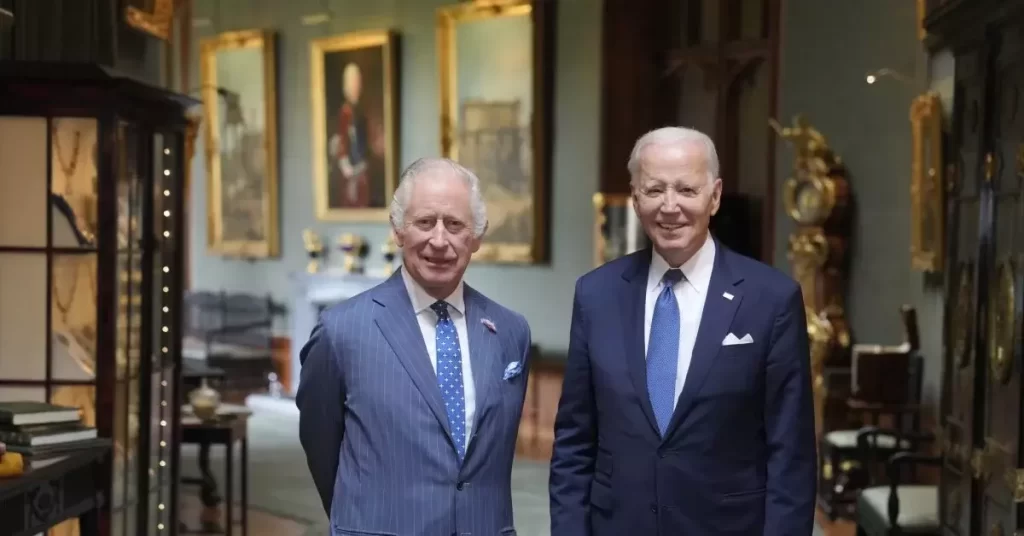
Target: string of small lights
[[166, 223]]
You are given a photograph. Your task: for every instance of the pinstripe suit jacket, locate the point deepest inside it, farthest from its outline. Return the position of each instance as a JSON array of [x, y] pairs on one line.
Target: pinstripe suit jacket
[[374, 427]]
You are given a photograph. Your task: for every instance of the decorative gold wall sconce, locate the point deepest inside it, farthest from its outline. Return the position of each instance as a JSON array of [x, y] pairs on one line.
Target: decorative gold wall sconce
[[816, 198]]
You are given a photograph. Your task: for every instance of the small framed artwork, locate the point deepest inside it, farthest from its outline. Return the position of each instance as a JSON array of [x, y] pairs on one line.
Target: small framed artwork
[[240, 120], [154, 17], [617, 230], [927, 184], [355, 125], [496, 82]]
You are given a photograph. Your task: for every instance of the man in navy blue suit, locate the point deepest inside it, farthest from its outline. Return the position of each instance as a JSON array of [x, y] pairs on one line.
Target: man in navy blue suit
[[686, 407]]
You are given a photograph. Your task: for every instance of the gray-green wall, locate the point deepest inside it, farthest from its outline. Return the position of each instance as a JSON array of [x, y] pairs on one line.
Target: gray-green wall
[[542, 293], [828, 48]]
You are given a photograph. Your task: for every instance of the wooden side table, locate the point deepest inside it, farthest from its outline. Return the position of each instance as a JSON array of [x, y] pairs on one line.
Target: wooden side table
[[55, 488], [230, 426]]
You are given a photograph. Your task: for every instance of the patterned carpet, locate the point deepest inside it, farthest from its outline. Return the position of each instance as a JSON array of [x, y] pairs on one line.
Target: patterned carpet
[[283, 501]]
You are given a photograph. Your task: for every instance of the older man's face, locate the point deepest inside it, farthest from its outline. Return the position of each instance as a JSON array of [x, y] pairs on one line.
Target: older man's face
[[437, 238], [675, 199]]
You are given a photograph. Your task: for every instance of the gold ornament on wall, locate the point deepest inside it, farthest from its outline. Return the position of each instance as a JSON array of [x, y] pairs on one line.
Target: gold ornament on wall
[[314, 250], [816, 198]]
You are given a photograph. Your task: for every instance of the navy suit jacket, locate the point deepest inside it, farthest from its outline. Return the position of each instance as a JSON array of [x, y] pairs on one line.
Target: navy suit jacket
[[738, 457], [373, 425]]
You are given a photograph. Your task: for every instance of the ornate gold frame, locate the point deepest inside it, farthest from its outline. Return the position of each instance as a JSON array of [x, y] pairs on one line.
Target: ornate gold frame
[[157, 23], [265, 41], [927, 185], [1002, 328], [353, 41], [448, 18]]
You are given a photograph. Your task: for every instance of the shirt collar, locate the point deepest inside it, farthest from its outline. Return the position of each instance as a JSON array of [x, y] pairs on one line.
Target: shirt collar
[[697, 270], [422, 301]]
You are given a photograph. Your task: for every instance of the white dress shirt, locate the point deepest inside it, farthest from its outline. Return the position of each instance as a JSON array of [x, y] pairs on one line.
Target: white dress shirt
[[427, 318], [690, 293]]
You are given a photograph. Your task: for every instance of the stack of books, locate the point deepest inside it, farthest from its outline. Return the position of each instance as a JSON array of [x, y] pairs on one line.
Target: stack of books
[[36, 428]]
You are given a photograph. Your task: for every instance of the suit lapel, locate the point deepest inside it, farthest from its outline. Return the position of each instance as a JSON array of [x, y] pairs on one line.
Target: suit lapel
[[484, 355], [715, 322], [633, 298], [397, 322]]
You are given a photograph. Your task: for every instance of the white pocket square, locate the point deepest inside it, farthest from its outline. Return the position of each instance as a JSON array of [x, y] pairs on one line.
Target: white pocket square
[[732, 340], [512, 370]]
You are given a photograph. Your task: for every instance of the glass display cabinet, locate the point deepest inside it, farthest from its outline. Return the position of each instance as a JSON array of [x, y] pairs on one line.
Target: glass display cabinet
[[91, 171]]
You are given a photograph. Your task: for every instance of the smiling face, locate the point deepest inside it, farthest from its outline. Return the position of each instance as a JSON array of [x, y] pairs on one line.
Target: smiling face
[[674, 197], [436, 236]]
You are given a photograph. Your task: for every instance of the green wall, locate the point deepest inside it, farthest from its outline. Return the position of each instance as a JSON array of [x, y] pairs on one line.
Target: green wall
[[548, 302]]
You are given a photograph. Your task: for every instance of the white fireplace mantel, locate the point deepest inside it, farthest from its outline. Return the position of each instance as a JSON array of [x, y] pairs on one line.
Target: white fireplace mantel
[[311, 293]]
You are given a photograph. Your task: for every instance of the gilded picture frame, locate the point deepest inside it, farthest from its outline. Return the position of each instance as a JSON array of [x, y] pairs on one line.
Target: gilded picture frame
[[495, 94], [154, 17], [239, 89], [927, 184], [354, 116]]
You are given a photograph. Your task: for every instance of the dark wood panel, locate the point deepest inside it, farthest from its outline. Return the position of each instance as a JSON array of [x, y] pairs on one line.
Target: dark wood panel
[[635, 39], [982, 382], [1001, 403]]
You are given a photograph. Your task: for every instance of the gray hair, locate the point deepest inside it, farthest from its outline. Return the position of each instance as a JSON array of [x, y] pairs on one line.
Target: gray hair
[[669, 135], [418, 170]]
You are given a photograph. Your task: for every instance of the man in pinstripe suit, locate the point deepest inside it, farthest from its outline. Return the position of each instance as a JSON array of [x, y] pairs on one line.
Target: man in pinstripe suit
[[411, 392]]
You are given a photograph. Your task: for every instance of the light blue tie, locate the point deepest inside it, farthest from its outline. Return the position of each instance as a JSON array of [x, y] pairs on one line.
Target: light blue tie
[[449, 375], [663, 351]]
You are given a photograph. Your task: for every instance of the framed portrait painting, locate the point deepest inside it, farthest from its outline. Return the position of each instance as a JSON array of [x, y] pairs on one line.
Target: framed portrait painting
[[496, 84], [240, 120], [355, 126]]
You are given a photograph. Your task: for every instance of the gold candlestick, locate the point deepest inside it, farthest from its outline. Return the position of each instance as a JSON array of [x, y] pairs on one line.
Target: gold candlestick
[[354, 248], [314, 249], [390, 249]]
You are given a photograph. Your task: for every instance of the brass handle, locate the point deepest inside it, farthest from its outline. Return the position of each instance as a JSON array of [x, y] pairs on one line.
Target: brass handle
[[989, 167]]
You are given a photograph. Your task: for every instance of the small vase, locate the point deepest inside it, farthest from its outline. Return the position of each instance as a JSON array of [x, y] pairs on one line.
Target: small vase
[[205, 400]]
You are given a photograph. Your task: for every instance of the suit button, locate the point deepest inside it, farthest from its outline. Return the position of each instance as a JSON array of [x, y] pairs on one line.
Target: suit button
[[654, 508], [460, 485], [662, 454]]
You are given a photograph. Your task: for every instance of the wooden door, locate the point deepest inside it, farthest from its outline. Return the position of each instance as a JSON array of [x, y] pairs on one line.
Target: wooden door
[[964, 296], [996, 458]]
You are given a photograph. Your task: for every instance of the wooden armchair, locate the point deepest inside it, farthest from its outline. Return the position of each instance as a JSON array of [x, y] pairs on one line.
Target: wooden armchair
[[896, 507], [885, 381], [231, 332]]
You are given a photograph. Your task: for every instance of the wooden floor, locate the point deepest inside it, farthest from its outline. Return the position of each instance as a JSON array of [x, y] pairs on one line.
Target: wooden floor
[[836, 528]]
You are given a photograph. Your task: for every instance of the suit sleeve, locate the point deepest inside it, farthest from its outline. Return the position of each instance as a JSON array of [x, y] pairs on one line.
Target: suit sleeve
[[789, 424], [575, 445], [321, 398]]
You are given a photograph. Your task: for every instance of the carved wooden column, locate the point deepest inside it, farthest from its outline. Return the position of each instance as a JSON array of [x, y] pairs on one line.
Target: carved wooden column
[[816, 197]]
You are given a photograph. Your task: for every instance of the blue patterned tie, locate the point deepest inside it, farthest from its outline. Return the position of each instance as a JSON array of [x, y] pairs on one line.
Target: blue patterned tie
[[449, 375], [663, 351]]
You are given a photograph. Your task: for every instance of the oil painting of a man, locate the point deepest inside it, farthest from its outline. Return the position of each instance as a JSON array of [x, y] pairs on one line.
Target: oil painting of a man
[[352, 108]]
